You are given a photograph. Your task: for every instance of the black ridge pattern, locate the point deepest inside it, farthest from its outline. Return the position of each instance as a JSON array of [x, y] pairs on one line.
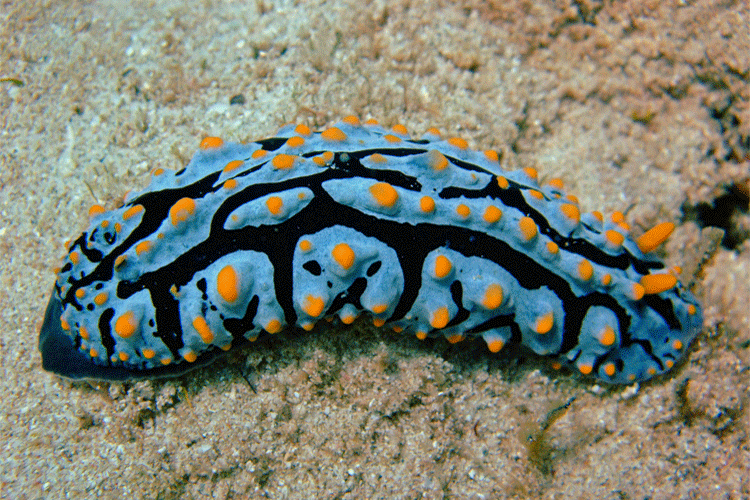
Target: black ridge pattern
[[411, 242]]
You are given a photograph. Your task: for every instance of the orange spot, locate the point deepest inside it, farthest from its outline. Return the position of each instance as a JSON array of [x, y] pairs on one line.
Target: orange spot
[[211, 143], [571, 212], [531, 172], [283, 161], [493, 296], [305, 245], [351, 120], [427, 204], [585, 270], [96, 210], [552, 247], [80, 293], [495, 345], [677, 345], [434, 131], [377, 158], [439, 317], [378, 322], [609, 369], [536, 194], [454, 339], [385, 195], [232, 165], [181, 210], [348, 319], [493, 157], [313, 306], [544, 323], [528, 228], [400, 129], [227, 284], [421, 334], [443, 266], [492, 214], [502, 182], [343, 255], [132, 211], [614, 238], [126, 325], [143, 247], [273, 326], [302, 130], [463, 210], [123, 356], [274, 205], [391, 138], [230, 184], [654, 237], [585, 369], [379, 308], [201, 326], [436, 160], [556, 183], [657, 283], [333, 134], [319, 161], [148, 353], [607, 336], [190, 357], [458, 143], [258, 153], [84, 333], [295, 142]]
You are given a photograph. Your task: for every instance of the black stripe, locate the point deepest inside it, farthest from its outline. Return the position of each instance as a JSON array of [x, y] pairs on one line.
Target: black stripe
[[106, 333], [411, 242]]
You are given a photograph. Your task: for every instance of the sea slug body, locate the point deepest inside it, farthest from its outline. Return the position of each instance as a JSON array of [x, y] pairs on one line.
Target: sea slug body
[[425, 236]]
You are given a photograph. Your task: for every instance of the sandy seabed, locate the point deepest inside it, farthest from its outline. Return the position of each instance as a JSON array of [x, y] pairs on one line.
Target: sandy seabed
[[641, 106]]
